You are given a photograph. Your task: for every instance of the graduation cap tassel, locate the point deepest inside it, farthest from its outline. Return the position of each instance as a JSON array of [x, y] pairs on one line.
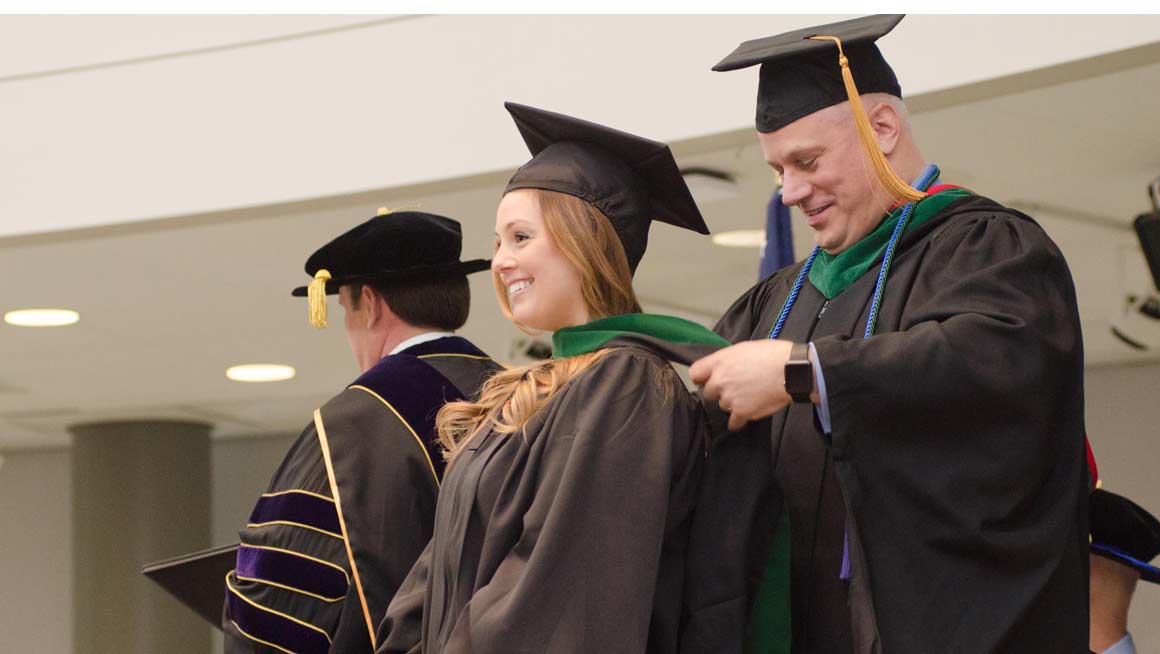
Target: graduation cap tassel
[[890, 179], [316, 298]]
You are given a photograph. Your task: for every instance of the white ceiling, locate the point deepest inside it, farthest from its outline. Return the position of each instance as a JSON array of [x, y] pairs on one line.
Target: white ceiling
[[32, 45], [151, 117], [166, 306]]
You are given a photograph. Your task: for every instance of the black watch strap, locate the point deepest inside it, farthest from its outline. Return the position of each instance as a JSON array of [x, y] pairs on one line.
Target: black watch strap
[[799, 373]]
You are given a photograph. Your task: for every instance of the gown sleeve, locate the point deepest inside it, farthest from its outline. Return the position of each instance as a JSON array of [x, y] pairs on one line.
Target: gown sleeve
[[401, 630], [965, 426], [991, 336], [610, 480]]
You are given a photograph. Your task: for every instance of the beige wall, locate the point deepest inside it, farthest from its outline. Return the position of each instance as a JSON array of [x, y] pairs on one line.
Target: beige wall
[[36, 552], [35, 533]]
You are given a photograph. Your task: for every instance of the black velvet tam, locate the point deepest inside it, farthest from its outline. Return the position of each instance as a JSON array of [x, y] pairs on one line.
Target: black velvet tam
[[800, 75], [631, 180], [399, 245], [1125, 532]]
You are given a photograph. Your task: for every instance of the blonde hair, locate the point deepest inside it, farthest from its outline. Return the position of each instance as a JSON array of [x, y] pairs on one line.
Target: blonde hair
[[509, 399]]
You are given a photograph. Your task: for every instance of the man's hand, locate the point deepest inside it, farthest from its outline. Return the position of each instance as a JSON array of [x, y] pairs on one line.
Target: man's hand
[[747, 379]]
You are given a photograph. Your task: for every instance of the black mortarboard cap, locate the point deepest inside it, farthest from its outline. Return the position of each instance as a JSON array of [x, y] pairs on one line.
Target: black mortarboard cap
[[198, 580], [630, 179], [389, 247], [1125, 532], [800, 75]]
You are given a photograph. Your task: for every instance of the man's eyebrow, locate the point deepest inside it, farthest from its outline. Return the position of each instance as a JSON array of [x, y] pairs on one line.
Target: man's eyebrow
[[797, 152]]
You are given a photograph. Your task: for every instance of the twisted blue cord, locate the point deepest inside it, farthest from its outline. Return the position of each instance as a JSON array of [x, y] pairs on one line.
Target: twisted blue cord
[[924, 180], [792, 297]]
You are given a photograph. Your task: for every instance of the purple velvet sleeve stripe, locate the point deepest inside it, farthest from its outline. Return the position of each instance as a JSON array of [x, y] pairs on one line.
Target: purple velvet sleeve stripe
[[276, 629], [445, 345], [297, 507], [293, 571], [416, 390]]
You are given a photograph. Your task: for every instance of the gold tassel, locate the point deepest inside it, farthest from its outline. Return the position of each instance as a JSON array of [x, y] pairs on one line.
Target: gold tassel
[[890, 179], [316, 298], [386, 211]]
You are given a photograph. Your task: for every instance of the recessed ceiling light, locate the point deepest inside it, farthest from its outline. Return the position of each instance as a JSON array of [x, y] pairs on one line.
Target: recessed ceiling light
[[740, 238], [41, 317], [260, 372]]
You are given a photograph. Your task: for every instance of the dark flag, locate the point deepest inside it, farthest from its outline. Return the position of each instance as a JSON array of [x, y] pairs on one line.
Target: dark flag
[[777, 253]]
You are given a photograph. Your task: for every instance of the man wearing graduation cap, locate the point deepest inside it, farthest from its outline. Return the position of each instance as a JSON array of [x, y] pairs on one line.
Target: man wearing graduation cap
[[920, 375], [351, 506], [1125, 539]]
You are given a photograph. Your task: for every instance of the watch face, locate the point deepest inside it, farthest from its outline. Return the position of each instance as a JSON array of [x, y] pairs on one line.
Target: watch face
[[798, 378], [799, 373]]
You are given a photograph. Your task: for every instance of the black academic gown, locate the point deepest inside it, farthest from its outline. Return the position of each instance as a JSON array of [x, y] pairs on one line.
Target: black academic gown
[[956, 462], [569, 536], [349, 509]]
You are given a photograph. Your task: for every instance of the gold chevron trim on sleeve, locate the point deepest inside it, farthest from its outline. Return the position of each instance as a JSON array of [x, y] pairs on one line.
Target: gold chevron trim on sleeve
[[292, 589], [290, 523], [267, 609], [299, 555], [461, 356], [300, 492], [259, 640]]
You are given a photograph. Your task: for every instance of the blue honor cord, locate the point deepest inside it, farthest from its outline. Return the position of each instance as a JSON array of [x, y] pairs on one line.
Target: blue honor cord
[[924, 181]]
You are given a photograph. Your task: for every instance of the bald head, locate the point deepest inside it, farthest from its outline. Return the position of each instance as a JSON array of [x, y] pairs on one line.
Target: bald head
[[827, 175]]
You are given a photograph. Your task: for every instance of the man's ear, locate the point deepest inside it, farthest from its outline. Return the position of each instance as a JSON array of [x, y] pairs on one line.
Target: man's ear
[[887, 125], [374, 304], [378, 308]]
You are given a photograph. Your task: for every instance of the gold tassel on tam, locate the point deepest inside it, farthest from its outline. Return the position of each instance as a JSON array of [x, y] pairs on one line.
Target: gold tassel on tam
[[890, 179], [386, 211], [316, 298]]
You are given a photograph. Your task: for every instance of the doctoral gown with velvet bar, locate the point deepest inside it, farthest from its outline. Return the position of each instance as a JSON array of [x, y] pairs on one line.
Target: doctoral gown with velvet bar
[[570, 536], [315, 572], [956, 463]]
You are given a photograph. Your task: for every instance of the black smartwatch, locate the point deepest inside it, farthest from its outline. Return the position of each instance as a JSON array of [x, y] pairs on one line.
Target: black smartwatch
[[799, 373]]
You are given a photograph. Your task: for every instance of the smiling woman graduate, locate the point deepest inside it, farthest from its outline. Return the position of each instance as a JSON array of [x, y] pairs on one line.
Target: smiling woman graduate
[[564, 519]]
